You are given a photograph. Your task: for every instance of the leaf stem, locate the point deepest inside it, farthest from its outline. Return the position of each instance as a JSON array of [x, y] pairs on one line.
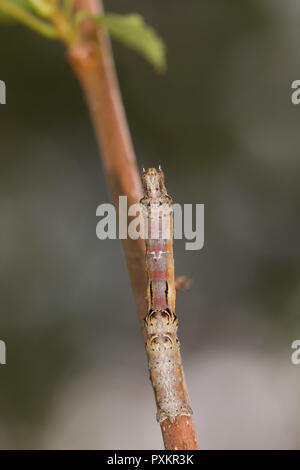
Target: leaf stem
[[28, 19]]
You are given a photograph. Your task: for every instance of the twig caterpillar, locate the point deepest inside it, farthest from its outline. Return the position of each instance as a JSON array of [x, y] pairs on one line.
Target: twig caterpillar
[[161, 321]]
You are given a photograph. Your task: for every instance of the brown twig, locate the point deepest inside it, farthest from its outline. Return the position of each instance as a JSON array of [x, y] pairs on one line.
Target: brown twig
[[92, 62]]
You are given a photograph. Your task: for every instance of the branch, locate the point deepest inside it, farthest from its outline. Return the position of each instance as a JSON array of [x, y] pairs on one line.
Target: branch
[[92, 62]]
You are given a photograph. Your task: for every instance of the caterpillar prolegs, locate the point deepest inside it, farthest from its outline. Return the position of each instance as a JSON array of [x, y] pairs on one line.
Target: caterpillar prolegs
[[161, 321]]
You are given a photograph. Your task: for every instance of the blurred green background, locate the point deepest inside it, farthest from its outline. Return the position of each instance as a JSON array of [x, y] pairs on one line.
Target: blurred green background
[[223, 126]]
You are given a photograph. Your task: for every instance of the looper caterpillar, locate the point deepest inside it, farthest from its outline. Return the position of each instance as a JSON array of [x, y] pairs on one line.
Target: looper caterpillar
[[161, 322]]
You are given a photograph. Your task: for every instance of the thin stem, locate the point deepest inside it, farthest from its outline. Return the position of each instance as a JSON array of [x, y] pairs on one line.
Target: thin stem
[[92, 62], [28, 19]]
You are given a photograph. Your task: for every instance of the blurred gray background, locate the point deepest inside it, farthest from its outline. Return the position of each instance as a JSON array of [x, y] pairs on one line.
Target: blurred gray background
[[222, 124]]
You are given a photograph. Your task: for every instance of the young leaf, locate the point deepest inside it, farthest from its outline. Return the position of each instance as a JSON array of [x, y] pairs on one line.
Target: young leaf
[[42, 7], [132, 31], [5, 18], [20, 11]]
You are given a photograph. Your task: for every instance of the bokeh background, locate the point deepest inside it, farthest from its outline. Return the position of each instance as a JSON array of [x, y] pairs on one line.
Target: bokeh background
[[223, 126]]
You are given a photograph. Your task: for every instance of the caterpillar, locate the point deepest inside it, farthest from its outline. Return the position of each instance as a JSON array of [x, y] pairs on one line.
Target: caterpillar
[[161, 322]]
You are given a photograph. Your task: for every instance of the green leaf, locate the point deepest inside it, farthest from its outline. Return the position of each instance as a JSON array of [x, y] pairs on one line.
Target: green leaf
[[43, 8], [132, 31], [4, 18], [15, 11]]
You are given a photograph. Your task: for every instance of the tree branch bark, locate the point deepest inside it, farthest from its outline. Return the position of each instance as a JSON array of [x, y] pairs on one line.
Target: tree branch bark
[[92, 62]]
